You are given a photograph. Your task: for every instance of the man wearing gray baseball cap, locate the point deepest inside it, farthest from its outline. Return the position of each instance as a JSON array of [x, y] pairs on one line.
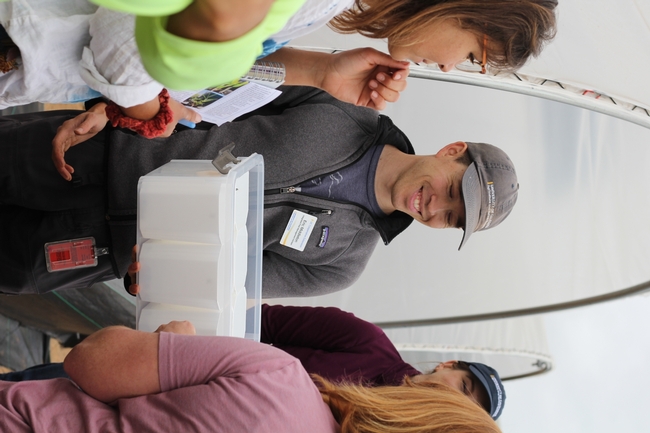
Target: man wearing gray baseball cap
[[466, 185], [342, 347], [346, 173]]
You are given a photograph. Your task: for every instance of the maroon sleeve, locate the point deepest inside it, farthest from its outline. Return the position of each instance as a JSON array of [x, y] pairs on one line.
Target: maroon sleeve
[[335, 344]]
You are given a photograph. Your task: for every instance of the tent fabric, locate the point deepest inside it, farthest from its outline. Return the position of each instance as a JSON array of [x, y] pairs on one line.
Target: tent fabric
[[600, 44], [517, 346]]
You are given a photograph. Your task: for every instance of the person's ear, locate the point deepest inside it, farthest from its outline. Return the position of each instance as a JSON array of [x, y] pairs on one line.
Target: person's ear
[[445, 365], [453, 150]]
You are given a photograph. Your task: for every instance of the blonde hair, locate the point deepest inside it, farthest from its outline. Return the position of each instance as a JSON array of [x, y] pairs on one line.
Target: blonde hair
[[410, 408], [516, 29]]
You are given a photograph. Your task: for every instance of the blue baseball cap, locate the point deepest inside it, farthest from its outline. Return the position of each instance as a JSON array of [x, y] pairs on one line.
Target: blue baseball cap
[[490, 379]]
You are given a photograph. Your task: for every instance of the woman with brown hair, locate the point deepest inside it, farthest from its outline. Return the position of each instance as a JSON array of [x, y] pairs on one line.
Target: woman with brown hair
[[515, 29], [502, 34], [171, 380]]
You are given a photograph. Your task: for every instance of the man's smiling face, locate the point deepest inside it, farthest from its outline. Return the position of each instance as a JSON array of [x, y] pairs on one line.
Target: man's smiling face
[[430, 191]]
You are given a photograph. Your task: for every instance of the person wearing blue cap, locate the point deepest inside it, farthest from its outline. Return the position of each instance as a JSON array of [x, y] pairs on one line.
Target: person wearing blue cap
[[173, 380], [343, 348], [339, 346]]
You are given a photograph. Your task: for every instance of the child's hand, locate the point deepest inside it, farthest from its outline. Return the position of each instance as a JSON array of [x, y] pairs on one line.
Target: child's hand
[[180, 112]]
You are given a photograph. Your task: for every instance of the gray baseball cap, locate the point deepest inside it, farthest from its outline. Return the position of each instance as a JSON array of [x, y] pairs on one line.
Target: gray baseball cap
[[489, 188], [490, 379]]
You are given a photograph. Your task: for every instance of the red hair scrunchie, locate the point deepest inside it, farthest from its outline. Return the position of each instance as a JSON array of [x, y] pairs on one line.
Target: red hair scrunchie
[[147, 128]]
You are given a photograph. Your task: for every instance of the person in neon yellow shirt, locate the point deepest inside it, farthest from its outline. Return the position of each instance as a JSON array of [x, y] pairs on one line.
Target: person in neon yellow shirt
[[188, 45]]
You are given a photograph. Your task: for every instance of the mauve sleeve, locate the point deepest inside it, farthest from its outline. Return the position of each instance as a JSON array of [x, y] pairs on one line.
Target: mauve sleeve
[[187, 360], [227, 385]]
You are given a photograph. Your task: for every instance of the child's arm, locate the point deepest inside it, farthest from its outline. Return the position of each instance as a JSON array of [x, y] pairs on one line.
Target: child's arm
[[150, 110], [218, 20], [111, 65], [89, 123]]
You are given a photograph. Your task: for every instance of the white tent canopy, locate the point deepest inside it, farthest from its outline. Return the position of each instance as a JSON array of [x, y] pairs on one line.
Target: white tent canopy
[[517, 347], [602, 45]]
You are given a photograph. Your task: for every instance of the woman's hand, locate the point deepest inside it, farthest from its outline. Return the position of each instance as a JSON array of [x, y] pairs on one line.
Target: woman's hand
[[365, 77], [175, 327], [75, 131]]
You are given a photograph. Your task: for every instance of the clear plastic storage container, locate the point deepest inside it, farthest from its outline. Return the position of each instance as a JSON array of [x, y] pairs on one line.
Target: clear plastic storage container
[[200, 246]]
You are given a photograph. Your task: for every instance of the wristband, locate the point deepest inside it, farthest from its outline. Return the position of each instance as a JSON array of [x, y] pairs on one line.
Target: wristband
[[147, 128]]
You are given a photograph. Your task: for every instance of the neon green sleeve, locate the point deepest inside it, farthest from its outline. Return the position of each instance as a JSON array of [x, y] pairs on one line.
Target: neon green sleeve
[[185, 64], [147, 8]]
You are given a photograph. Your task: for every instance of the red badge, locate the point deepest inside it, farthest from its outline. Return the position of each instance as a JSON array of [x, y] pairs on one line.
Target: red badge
[[70, 254]]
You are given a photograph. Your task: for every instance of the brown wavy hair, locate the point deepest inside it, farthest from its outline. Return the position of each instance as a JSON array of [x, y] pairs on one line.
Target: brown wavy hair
[[410, 408], [516, 29]]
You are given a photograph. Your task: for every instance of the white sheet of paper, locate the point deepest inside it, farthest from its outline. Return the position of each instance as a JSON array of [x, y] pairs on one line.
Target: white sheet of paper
[[225, 103]]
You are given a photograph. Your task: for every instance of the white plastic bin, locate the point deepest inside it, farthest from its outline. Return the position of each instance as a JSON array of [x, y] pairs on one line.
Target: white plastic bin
[[191, 202], [200, 247], [183, 273]]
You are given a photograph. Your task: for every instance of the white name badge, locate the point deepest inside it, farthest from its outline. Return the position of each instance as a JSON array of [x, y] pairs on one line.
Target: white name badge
[[298, 230]]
